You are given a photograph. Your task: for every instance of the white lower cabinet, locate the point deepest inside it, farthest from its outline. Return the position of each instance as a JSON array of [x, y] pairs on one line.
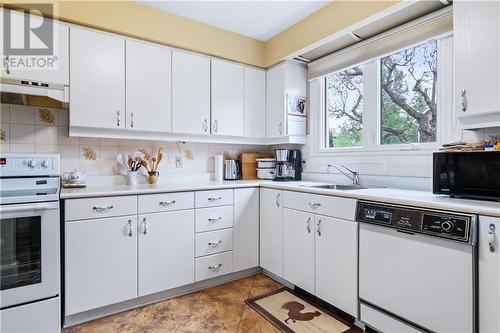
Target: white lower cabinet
[[489, 274], [100, 262], [246, 228], [271, 230], [165, 251], [298, 248], [336, 262]]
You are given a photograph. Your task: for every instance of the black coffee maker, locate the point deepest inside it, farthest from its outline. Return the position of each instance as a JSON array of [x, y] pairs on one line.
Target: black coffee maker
[[288, 165]]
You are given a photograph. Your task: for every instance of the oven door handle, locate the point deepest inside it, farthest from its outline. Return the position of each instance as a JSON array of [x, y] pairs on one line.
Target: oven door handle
[[27, 207]]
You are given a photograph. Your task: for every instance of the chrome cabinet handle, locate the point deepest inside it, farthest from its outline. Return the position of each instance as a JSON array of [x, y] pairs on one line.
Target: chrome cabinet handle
[[215, 268], [205, 125], [144, 226], [214, 244], [280, 128], [314, 204], [214, 199], [130, 234], [166, 203], [318, 229], [100, 209], [491, 237], [463, 100], [216, 126], [278, 200], [118, 118], [131, 119], [308, 225], [215, 220]]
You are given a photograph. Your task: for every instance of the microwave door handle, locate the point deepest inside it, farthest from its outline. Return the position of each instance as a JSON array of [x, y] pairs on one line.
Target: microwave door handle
[[23, 208]]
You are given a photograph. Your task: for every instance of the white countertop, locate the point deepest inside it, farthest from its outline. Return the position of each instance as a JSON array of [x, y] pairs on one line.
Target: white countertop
[[387, 195]]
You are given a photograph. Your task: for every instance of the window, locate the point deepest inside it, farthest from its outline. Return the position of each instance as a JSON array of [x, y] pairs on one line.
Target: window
[[408, 95], [344, 108], [389, 103]]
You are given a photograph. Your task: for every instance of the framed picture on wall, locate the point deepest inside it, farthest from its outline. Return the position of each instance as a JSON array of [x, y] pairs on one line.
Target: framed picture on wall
[[296, 105]]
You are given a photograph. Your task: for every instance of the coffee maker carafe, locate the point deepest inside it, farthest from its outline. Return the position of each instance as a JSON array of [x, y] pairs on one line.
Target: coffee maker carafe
[[288, 165]]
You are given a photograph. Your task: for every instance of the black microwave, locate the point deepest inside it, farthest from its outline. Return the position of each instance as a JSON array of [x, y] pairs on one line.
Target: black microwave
[[474, 175]]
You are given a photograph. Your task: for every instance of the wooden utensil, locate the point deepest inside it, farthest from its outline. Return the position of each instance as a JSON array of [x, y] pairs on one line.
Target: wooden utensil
[[159, 157]]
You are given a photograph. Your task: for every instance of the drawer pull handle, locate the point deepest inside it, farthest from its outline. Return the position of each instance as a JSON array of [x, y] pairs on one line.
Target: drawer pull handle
[[491, 237], [100, 209], [214, 199], [215, 268], [314, 204], [130, 234], [167, 203], [215, 220], [214, 244]]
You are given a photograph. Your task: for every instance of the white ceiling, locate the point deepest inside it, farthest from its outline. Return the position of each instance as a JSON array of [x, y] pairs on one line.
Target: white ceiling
[[257, 19]]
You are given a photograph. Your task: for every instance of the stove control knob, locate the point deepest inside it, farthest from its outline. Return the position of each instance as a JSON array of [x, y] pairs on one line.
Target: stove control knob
[[447, 226], [33, 163], [45, 163]]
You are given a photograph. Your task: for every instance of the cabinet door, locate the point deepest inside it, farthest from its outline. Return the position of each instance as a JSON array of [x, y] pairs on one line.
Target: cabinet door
[[190, 93], [337, 262], [271, 231], [298, 248], [476, 34], [227, 98], [166, 251], [255, 103], [97, 79], [489, 274], [59, 72], [148, 87], [275, 97], [246, 228], [101, 262]]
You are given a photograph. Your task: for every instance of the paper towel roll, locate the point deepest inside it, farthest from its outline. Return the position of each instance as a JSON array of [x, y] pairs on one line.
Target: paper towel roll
[[219, 167]]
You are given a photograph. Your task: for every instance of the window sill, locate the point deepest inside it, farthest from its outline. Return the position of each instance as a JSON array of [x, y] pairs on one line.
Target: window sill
[[424, 149]]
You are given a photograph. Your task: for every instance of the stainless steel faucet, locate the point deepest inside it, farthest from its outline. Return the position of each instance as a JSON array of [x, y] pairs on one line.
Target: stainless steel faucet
[[352, 175]]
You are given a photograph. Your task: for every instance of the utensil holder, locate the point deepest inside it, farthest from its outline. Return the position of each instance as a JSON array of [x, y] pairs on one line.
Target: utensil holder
[[153, 177], [131, 178]]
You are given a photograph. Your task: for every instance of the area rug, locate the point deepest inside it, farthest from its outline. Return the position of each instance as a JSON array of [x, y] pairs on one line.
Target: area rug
[[291, 313]]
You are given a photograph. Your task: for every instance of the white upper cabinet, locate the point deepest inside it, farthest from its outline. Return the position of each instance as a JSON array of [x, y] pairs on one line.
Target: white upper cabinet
[[97, 80], [476, 34], [255, 103], [190, 93], [275, 113], [148, 87], [227, 98], [59, 73]]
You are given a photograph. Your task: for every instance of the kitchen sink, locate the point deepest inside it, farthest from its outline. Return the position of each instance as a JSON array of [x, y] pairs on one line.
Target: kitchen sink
[[342, 187]]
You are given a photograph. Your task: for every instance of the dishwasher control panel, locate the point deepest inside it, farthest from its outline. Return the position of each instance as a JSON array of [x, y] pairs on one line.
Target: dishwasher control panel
[[442, 224]]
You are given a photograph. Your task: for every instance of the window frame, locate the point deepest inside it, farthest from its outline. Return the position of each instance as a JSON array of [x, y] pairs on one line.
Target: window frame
[[372, 122]]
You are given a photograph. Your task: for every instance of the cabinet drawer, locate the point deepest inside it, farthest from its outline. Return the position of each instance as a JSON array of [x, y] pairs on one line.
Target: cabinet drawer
[[343, 208], [214, 265], [214, 218], [213, 198], [91, 208], [213, 242], [164, 202]]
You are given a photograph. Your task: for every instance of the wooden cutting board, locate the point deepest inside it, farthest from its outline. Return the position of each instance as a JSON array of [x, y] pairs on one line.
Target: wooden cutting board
[[249, 164]]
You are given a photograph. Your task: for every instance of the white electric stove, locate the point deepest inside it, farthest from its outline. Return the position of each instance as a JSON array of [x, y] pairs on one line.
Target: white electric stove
[[30, 243]]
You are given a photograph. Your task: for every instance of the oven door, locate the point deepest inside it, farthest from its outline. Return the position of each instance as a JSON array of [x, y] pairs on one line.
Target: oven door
[[29, 253], [423, 280]]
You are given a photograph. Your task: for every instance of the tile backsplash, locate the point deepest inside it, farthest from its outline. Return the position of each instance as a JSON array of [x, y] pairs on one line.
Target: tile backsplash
[[28, 129]]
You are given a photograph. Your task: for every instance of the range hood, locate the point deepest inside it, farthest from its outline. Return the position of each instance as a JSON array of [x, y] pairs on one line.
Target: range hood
[[26, 92]]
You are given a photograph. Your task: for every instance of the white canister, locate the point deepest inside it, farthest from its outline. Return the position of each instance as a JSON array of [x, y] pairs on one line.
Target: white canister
[[265, 173], [219, 168], [131, 178], [266, 163]]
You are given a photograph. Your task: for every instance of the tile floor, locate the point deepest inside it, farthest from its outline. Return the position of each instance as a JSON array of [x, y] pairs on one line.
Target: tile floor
[[220, 309]]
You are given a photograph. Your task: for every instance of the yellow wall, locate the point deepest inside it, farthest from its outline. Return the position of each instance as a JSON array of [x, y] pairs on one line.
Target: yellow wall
[[140, 21]]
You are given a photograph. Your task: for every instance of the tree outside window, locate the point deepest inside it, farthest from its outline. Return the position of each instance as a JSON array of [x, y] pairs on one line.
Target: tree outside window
[[344, 108], [408, 95]]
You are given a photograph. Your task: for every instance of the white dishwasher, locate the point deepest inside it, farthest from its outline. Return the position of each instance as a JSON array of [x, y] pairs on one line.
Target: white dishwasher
[[417, 269]]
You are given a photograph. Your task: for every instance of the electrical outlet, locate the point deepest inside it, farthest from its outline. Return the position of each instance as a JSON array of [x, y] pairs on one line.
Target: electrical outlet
[[178, 161]]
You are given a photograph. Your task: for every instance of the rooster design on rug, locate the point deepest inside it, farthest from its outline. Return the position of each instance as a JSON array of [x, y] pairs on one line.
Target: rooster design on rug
[[295, 312]]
